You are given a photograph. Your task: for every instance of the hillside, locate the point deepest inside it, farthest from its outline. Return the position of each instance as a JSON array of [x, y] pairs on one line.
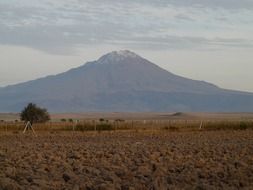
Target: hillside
[[122, 81]]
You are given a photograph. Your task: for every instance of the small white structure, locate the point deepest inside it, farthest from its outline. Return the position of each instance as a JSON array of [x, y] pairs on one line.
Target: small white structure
[[29, 125], [200, 126]]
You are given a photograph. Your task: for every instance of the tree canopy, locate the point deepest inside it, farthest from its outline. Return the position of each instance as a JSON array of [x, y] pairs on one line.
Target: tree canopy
[[34, 114]]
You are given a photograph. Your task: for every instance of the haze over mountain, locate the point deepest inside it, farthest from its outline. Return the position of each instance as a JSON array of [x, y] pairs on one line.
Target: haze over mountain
[[122, 81]]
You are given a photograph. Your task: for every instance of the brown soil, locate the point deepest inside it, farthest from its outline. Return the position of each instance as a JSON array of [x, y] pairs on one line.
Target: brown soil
[[127, 160]]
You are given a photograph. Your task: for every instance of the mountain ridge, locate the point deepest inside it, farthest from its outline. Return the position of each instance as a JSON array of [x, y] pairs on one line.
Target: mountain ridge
[[122, 81]]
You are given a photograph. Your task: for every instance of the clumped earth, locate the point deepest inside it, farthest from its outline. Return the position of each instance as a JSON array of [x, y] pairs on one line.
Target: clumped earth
[[127, 160]]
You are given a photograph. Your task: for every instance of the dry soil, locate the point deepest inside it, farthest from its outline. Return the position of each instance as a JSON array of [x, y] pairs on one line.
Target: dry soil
[[127, 160]]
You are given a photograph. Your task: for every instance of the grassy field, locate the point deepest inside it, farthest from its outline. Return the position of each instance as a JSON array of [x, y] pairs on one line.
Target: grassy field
[[138, 121], [134, 121], [96, 125]]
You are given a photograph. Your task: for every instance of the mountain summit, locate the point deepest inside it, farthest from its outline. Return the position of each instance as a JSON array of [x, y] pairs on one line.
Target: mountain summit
[[118, 56], [122, 81]]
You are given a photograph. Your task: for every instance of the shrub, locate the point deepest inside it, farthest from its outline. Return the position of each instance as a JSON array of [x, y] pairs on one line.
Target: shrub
[[34, 114], [171, 128], [243, 125], [84, 127], [119, 120], [101, 119], [104, 127]]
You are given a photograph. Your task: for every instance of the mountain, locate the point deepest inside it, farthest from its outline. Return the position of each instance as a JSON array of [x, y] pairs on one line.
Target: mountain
[[122, 81]]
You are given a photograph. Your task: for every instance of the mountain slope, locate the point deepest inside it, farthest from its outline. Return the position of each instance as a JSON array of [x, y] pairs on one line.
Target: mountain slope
[[122, 81]]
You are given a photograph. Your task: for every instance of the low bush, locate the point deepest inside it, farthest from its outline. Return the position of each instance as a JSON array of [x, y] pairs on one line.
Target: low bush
[[84, 127], [171, 128], [232, 125], [90, 127], [104, 127]]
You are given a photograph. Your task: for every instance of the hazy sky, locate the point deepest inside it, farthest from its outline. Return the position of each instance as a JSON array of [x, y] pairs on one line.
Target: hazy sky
[[208, 40]]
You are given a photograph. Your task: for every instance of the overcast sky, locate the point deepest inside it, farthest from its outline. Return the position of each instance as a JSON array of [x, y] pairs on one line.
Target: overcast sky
[[208, 40]]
